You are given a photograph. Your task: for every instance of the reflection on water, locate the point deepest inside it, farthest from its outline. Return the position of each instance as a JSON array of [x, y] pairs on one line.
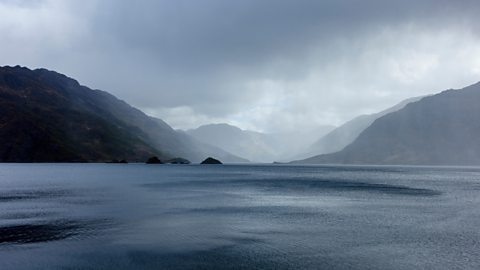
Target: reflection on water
[[104, 216], [14, 195], [297, 184], [34, 233]]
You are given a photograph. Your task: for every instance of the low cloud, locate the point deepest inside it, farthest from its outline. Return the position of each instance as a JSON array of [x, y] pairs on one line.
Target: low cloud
[[264, 65]]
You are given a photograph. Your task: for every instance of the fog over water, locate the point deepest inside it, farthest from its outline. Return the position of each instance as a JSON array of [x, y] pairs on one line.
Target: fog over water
[[114, 216]]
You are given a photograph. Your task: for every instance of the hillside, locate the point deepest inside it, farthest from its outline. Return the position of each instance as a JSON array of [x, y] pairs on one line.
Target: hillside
[[345, 134], [256, 146], [47, 117], [442, 129]]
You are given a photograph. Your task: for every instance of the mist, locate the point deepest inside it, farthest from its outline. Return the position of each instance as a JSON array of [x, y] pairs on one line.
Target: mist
[[269, 66]]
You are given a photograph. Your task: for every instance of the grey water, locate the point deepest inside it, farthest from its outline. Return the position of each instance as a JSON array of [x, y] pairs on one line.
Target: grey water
[[135, 216]]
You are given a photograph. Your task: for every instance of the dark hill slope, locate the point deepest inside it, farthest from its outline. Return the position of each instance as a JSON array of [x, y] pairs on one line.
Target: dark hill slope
[[345, 134], [46, 116], [442, 129]]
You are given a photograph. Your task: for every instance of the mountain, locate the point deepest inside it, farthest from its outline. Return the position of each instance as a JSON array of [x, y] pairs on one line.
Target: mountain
[[345, 134], [292, 144], [48, 117], [252, 145], [442, 129], [255, 146], [200, 149]]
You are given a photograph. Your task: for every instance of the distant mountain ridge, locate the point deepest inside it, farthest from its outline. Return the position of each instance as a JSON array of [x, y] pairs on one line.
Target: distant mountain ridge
[[256, 146], [345, 134], [442, 129], [48, 117], [252, 145]]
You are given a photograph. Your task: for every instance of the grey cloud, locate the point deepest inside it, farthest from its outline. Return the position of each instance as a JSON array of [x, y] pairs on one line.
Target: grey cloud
[[260, 64]]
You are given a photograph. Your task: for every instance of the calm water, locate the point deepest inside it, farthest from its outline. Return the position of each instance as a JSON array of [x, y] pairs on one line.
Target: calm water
[[115, 216]]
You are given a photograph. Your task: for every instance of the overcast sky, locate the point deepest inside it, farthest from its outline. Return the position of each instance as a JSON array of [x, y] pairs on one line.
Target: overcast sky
[[267, 65]]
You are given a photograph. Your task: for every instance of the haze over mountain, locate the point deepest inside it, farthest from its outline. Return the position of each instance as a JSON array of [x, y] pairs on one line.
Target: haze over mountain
[[442, 129], [257, 146], [46, 116], [345, 134], [273, 65]]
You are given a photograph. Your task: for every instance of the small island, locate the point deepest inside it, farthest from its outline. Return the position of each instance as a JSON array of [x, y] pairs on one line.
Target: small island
[[211, 160], [154, 160], [116, 161]]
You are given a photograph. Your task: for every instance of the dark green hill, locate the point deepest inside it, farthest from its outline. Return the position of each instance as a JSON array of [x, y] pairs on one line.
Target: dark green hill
[[48, 117]]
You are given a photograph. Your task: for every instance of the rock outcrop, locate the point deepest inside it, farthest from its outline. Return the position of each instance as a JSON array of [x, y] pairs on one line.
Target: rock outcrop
[[211, 160]]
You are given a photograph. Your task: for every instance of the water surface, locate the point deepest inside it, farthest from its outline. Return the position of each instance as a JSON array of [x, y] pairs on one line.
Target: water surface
[[135, 216]]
